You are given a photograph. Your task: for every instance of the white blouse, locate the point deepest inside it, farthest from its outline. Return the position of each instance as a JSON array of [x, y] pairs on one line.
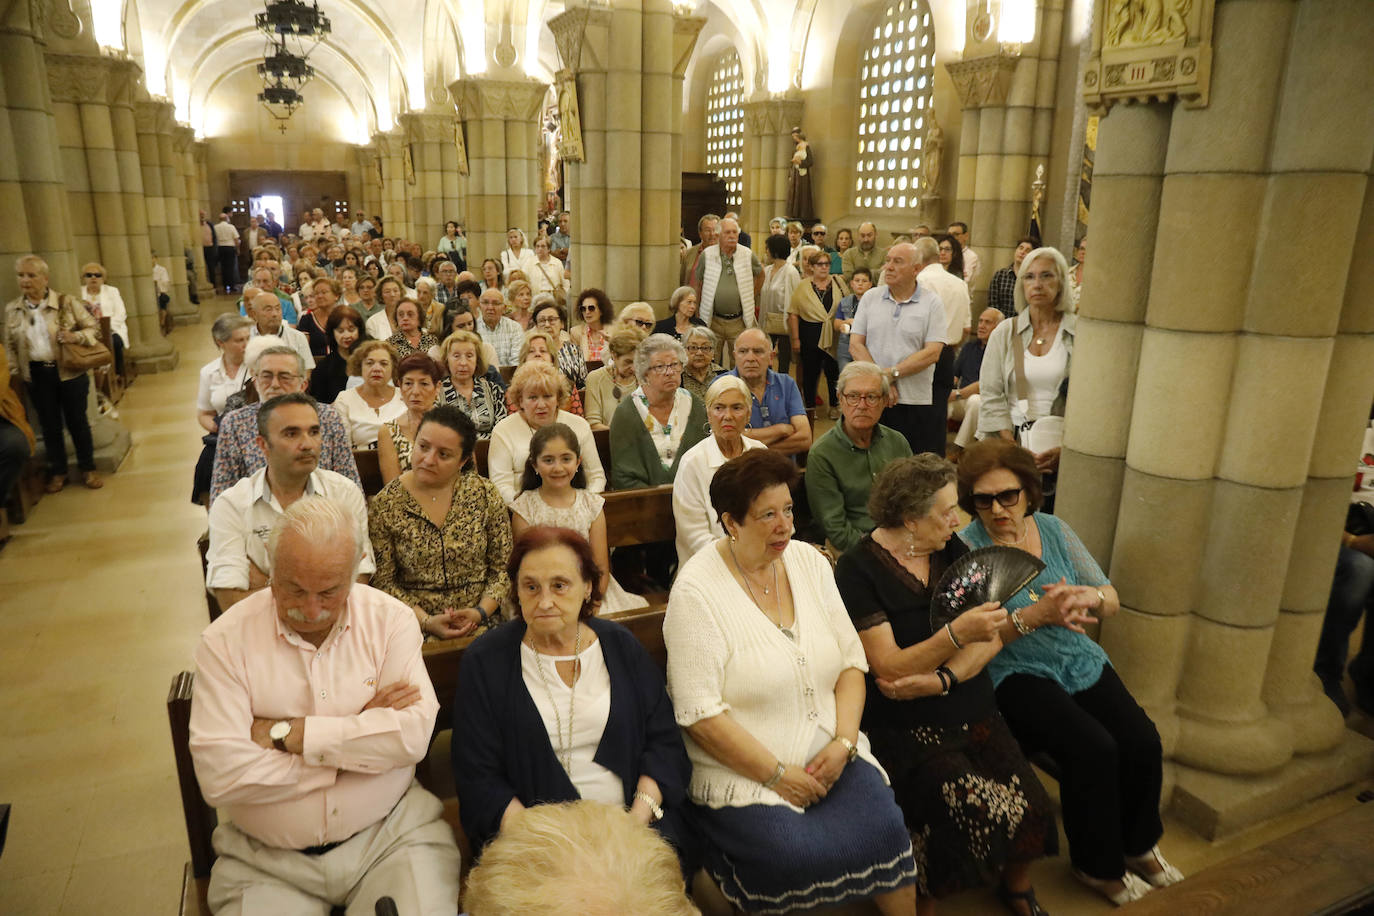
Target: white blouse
[[1043, 376], [510, 446], [586, 721], [216, 385], [696, 522], [363, 420]]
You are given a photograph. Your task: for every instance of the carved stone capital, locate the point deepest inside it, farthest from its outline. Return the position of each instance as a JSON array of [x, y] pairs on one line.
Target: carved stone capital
[[686, 30], [581, 34], [772, 117], [429, 126], [182, 138], [147, 115], [508, 100], [79, 78], [983, 82]]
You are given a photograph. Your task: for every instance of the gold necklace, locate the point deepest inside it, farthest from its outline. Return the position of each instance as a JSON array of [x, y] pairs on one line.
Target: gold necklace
[[564, 750], [1019, 542]]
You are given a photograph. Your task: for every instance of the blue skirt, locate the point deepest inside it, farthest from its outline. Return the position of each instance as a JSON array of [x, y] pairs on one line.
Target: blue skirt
[[851, 845]]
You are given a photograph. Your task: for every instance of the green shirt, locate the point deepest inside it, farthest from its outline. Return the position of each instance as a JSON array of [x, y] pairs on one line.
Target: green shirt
[[839, 476]]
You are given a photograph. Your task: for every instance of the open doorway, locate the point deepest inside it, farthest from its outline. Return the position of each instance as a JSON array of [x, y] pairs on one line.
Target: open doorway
[[258, 206]]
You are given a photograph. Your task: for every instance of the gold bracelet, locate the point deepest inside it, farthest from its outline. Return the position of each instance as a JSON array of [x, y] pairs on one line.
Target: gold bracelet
[[850, 748]]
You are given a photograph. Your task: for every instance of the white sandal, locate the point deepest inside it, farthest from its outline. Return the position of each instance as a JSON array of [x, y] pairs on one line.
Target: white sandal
[[1133, 888], [1166, 875]]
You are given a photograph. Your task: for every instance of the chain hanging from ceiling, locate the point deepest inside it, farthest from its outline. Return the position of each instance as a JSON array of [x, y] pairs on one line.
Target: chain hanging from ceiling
[[293, 30]]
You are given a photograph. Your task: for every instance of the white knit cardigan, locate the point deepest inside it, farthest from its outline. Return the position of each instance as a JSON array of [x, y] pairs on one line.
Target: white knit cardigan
[[724, 655]]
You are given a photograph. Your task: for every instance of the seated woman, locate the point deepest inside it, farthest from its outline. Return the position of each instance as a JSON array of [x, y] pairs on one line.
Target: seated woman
[[658, 421], [410, 337], [322, 296], [958, 774], [441, 537], [727, 410], [469, 386], [1056, 687], [105, 301], [547, 316], [560, 705], [596, 312], [766, 675], [345, 330], [637, 314], [381, 324], [682, 314], [701, 369], [540, 346], [537, 389], [607, 385], [519, 298], [491, 275], [367, 304], [464, 320], [553, 491], [419, 387], [365, 408], [219, 379]]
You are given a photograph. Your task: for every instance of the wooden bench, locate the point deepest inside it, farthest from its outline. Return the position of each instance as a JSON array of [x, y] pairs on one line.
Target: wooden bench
[[107, 380]]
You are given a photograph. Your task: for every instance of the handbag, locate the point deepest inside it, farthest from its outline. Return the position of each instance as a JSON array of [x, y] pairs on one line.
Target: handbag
[[80, 357]]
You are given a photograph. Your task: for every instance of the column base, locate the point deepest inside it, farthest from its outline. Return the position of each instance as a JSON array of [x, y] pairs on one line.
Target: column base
[[112, 443], [158, 356], [1216, 806]]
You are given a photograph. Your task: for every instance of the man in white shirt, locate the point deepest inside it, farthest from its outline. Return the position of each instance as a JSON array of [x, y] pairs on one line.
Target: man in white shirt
[[289, 435], [954, 294], [265, 309], [361, 226], [253, 236], [227, 247], [971, 263], [495, 328], [312, 707]]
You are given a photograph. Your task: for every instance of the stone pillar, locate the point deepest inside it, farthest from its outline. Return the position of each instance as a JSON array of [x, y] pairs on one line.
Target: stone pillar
[[395, 187], [1214, 446], [184, 146], [174, 258], [431, 139], [501, 123], [371, 180], [768, 151], [198, 182]]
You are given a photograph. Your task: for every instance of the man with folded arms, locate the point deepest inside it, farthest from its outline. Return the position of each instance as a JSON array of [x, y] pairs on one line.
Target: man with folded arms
[[312, 707]]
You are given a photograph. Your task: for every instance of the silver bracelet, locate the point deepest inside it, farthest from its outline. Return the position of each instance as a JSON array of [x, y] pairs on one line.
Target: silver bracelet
[[1020, 624], [777, 774], [949, 631]]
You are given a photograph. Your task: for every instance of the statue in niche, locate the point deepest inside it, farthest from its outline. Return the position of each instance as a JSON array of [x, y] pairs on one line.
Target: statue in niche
[[799, 203], [1146, 22], [932, 154], [570, 149]]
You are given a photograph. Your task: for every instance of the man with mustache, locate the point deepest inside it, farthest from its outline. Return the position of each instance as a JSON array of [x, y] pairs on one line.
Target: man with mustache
[[289, 436]]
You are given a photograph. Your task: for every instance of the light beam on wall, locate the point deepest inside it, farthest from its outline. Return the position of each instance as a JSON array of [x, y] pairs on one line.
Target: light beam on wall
[[154, 63], [108, 18], [1018, 22], [779, 59], [474, 31]]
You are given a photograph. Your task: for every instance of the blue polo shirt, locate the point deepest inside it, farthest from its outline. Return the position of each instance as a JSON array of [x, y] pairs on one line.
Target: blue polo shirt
[[781, 402], [894, 330]]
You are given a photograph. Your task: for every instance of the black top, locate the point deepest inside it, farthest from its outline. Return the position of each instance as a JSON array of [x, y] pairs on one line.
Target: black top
[[669, 325], [329, 378], [319, 343], [877, 590]]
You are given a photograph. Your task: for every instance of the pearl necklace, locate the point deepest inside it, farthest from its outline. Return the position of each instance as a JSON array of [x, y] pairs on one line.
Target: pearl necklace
[[564, 750], [1019, 542]]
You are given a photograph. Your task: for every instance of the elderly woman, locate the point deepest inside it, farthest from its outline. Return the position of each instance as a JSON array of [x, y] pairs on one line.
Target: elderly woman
[[37, 323], [520, 297], [1026, 366], [766, 675], [431, 309], [419, 387], [365, 408], [344, 331], [104, 301], [727, 410], [491, 275], [411, 337], [931, 713], [659, 421], [382, 323], [780, 279], [440, 537], [542, 346], [537, 389], [225, 374], [595, 309], [809, 315], [560, 705], [1056, 687], [607, 385], [323, 296], [468, 387], [639, 315], [547, 316], [367, 304], [701, 369], [517, 254], [546, 274], [682, 314]]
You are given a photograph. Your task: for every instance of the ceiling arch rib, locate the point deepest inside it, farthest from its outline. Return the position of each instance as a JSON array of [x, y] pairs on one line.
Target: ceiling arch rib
[[320, 75]]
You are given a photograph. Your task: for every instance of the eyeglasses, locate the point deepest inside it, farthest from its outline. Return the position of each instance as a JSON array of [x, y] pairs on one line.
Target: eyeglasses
[[591, 308], [285, 378], [88, 276], [1007, 498], [699, 348], [667, 368], [641, 322], [868, 400]]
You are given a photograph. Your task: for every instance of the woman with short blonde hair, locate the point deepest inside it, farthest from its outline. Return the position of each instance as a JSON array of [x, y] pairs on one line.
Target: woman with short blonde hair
[[536, 391]]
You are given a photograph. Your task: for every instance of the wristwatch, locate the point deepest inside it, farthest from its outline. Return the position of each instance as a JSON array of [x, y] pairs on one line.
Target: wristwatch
[[896, 373], [278, 733]]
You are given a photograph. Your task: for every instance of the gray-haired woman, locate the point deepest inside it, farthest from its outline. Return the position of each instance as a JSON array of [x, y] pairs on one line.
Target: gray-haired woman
[[658, 421], [682, 314], [701, 369]]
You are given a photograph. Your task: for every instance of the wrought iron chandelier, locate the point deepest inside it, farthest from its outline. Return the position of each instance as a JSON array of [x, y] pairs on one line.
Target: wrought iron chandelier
[[293, 31]]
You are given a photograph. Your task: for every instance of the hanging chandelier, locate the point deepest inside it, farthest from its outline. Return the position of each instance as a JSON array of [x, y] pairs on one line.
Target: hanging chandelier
[[294, 18], [293, 31]]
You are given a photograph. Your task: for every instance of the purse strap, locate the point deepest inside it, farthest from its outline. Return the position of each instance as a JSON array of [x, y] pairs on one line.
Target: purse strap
[[1022, 387]]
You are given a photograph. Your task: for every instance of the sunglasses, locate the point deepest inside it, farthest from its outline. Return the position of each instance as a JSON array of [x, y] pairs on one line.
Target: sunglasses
[[88, 276], [1007, 498], [641, 322]]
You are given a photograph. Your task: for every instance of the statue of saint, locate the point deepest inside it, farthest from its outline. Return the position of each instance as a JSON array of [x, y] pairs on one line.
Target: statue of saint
[[799, 203]]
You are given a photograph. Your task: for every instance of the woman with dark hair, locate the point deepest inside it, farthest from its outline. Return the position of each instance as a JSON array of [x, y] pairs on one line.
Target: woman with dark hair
[[441, 537], [951, 254], [780, 280], [767, 678], [410, 336], [419, 386], [810, 317], [382, 324], [596, 312], [344, 330], [930, 712], [1056, 687], [547, 316], [559, 705]]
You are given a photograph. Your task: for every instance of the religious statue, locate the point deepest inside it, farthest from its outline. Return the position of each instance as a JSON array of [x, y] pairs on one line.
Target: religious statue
[[1146, 22], [570, 133], [799, 204]]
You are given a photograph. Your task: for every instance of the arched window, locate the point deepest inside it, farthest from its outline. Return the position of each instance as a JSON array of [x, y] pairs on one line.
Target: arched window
[[725, 125], [896, 81]]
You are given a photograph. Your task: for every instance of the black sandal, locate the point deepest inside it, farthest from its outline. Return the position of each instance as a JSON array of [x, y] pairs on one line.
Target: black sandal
[[1011, 898]]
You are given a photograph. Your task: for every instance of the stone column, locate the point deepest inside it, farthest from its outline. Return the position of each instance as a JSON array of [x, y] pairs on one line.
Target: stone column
[[501, 123], [768, 151], [430, 135], [199, 182], [396, 189], [1213, 448], [184, 145], [174, 258], [371, 180]]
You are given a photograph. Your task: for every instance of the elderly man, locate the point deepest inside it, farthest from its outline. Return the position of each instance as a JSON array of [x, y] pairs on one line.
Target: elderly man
[[972, 265], [968, 368], [447, 288], [504, 334], [728, 279], [265, 308], [953, 294], [707, 228], [743, 236], [265, 279], [820, 237], [865, 254], [227, 252], [361, 226], [320, 223], [253, 237], [901, 327], [779, 418], [312, 706], [279, 370], [289, 435], [560, 242], [841, 465]]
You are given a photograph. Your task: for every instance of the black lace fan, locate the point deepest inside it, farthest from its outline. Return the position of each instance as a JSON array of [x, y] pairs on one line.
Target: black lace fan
[[982, 575]]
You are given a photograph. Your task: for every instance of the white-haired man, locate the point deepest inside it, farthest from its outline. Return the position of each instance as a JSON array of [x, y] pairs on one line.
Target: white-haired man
[[728, 279], [312, 706], [265, 308]]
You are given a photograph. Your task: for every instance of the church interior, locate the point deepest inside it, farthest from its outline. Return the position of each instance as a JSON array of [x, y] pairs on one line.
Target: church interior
[[1211, 441]]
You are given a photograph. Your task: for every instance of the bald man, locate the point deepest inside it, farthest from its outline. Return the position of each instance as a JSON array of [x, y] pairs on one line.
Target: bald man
[[265, 309], [968, 368]]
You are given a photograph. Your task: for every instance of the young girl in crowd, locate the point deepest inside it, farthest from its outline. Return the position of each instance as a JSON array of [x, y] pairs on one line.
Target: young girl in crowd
[[553, 492]]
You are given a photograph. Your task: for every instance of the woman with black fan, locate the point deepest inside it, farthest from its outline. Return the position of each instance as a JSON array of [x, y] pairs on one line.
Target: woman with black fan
[[976, 812], [1056, 686]]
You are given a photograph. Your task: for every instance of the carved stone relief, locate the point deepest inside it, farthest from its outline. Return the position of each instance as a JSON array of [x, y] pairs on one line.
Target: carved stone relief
[[983, 82], [1145, 50]]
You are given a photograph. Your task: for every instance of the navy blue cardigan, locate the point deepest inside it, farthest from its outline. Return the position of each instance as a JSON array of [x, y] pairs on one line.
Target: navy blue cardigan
[[501, 749]]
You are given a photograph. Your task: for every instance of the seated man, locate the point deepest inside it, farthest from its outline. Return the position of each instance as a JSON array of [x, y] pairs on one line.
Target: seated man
[[779, 418], [264, 276], [265, 309], [312, 706], [277, 371], [289, 435], [504, 334], [964, 399], [1352, 595], [841, 465]]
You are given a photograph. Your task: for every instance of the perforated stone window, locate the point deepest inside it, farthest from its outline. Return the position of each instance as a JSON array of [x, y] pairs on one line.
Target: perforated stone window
[[725, 125], [896, 82]]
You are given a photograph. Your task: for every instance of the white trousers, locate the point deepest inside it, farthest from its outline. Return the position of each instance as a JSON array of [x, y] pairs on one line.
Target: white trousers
[[967, 408], [409, 856]]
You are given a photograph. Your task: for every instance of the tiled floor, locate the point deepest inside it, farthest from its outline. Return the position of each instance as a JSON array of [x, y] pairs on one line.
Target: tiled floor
[[101, 604]]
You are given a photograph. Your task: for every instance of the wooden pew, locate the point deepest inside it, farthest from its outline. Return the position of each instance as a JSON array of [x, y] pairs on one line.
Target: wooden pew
[[211, 602], [602, 438], [107, 379], [369, 471]]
